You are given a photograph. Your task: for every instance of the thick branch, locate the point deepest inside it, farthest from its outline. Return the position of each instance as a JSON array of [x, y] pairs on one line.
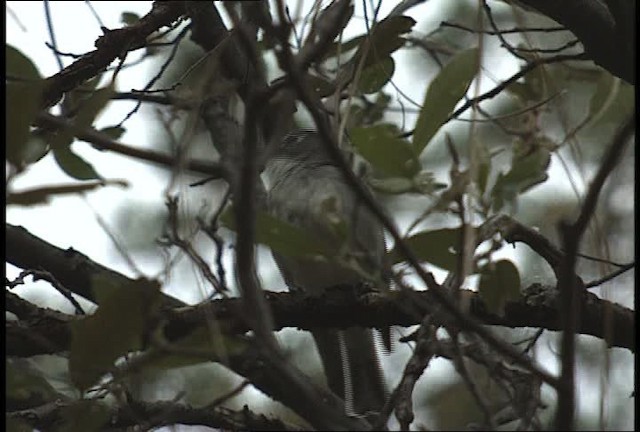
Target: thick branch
[[148, 415], [605, 27], [110, 46], [343, 308], [74, 270]]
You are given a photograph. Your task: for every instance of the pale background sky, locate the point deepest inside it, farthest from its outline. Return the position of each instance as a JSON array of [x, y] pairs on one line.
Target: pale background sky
[[71, 222]]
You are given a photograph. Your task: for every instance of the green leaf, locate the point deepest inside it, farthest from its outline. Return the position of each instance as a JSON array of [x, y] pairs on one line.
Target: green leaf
[[20, 66], [438, 247], [129, 18], [374, 77], [74, 165], [74, 99], [392, 185], [526, 171], [384, 39], [499, 285], [114, 132], [327, 19], [116, 328], [532, 88], [22, 106], [344, 47], [381, 147], [43, 194], [87, 113], [280, 236], [320, 86], [443, 95]]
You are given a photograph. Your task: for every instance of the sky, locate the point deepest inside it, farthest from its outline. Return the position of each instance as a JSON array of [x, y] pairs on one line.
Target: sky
[[73, 222]]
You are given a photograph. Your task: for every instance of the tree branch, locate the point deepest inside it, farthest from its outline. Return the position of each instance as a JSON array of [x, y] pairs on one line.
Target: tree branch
[[149, 415], [110, 46], [102, 141], [605, 29]]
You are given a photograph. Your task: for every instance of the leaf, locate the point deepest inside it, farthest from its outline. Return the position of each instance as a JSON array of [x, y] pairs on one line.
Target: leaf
[[499, 285], [526, 172], [374, 77], [74, 99], [86, 115], [320, 86], [116, 328], [114, 132], [381, 147], [384, 39], [129, 18], [74, 165], [20, 66], [280, 236], [532, 88], [344, 47], [438, 247], [392, 185], [443, 95], [43, 194], [22, 104], [325, 26]]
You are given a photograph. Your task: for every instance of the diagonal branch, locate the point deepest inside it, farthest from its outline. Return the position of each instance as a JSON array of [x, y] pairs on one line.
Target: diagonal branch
[[110, 46]]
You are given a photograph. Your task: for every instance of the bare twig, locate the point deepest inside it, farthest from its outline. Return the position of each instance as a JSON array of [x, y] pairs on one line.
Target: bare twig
[[504, 31], [497, 32], [610, 276], [158, 75], [175, 238], [52, 34], [112, 45]]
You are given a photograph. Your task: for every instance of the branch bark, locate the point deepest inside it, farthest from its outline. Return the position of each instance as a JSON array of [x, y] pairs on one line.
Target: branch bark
[[606, 29], [538, 308]]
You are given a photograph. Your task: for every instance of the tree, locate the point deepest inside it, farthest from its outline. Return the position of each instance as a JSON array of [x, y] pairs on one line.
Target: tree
[[465, 164]]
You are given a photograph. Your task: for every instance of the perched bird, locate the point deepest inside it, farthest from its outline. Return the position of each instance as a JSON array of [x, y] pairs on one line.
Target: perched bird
[[308, 190]]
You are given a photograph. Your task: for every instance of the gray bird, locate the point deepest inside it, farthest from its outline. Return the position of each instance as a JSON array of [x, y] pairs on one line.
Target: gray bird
[[308, 190]]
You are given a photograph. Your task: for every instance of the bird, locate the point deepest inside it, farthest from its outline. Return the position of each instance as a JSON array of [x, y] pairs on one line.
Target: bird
[[308, 190]]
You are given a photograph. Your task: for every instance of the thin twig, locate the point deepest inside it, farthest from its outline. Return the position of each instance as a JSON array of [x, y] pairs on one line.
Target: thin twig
[[504, 31], [610, 276], [497, 32], [570, 292], [52, 34], [158, 75], [175, 238]]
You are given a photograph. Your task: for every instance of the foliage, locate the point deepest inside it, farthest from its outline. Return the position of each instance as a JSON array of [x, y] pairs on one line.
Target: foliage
[[451, 181]]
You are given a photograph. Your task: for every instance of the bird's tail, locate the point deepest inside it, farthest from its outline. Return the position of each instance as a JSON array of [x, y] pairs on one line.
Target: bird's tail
[[352, 368]]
